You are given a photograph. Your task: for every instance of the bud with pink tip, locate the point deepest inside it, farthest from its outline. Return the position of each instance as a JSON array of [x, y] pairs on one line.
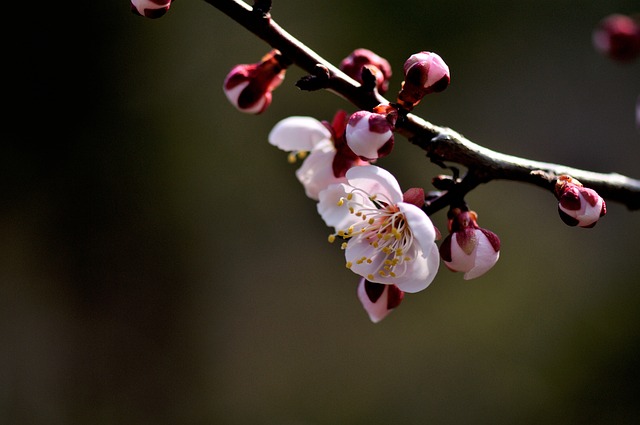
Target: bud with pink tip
[[469, 248], [353, 65], [618, 37], [150, 8], [578, 205], [370, 134], [424, 73], [249, 87], [378, 299]]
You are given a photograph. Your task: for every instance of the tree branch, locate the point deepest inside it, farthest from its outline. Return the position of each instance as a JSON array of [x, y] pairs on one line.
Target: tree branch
[[441, 144]]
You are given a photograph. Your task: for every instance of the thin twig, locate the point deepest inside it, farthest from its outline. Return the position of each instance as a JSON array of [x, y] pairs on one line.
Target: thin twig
[[441, 144]]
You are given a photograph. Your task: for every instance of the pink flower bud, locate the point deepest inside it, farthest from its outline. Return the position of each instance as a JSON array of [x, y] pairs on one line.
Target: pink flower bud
[[469, 248], [353, 64], [150, 8], [378, 299], [578, 205], [424, 73], [249, 87], [618, 37], [369, 135]]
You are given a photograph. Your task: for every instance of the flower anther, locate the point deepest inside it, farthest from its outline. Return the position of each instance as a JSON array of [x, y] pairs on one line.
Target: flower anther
[[386, 240]]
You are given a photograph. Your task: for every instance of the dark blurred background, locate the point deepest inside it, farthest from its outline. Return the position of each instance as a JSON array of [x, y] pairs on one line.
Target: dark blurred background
[[160, 264]]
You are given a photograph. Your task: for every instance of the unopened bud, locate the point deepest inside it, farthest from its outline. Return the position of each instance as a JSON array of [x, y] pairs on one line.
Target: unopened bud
[[150, 8], [578, 205], [249, 87], [469, 248], [369, 135], [618, 37], [378, 299], [353, 64], [424, 73]]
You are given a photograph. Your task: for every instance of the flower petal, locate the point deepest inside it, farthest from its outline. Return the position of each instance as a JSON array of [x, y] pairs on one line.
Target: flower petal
[[365, 260], [420, 224], [316, 173], [460, 260], [298, 134], [334, 215], [375, 181], [375, 299], [485, 257], [421, 271]]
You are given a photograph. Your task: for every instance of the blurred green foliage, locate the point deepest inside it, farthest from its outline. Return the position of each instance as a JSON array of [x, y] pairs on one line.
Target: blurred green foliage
[[159, 263]]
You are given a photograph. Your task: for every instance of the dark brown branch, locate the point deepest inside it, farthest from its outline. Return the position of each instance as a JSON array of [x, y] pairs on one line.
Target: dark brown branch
[[441, 144]]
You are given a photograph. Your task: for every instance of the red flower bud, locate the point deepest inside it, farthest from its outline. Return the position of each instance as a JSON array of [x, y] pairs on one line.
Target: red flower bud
[[618, 37], [150, 8], [249, 87], [469, 248], [578, 205], [369, 135], [353, 64], [424, 73]]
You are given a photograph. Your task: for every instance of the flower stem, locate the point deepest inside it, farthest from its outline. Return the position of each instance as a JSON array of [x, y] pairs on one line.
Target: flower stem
[[441, 144]]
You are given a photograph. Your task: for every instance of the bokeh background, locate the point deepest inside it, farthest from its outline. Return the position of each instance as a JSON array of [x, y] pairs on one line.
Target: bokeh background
[[160, 264]]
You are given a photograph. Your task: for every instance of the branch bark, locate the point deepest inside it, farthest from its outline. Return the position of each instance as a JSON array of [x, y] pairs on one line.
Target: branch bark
[[441, 144]]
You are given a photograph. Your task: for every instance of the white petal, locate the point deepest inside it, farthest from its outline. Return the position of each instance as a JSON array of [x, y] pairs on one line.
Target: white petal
[[485, 257], [296, 133], [375, 181], [316, 172], [421, 271], [460, 260], [420, 224], [334, 215]]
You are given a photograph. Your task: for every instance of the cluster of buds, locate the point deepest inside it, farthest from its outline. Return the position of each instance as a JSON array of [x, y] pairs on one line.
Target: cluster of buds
[[424, 73], [248, 87], [578, 205], [370, 133], [354, 64], [150, 8], [469, 248], [618, 37]]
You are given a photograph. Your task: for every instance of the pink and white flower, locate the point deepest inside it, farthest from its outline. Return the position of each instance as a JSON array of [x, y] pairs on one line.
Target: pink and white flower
[[150, 8], [326, 154], [377, 299], [578, 205], [387, 239], [469, 248]]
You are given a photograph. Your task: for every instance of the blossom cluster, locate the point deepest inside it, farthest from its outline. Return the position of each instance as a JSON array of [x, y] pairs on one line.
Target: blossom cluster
[[388, 239]]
